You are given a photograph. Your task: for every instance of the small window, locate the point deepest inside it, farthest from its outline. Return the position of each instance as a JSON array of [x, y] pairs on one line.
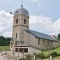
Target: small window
[[43, 41], [38, 41], [21, 50], [16, 21], [26, 50], [24, 21], [16, 35], [16, 49], [16, 43], [11, 43], [48, 42], [17, 12]]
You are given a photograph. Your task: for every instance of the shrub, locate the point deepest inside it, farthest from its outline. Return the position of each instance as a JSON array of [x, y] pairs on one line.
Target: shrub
[[58, 54], [28, 57], [54, 54], [40, 55]]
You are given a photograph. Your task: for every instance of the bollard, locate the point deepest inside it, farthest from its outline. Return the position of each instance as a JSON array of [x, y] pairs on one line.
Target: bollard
[[51, 57], [34, 56]]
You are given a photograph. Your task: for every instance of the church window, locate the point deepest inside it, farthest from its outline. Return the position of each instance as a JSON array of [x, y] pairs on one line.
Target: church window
[[16, 49], [48, 42], [17, 12], [24, 21], [16, 21], [11, 43], [16, 35], [38, 41], [43, 41], [26, 50], [21, 50], [16, 43]]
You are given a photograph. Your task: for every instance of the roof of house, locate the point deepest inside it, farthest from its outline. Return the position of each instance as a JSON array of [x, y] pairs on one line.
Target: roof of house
[[41, 35]]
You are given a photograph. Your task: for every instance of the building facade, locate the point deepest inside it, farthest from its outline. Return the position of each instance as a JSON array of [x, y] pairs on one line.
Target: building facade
[[26, 40]]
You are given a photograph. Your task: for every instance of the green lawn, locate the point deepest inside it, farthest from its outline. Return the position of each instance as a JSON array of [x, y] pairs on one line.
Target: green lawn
[[4, 48], [55, 58], [46, 53]]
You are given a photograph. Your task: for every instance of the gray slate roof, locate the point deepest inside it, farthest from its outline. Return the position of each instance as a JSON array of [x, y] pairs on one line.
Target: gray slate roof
[[21, 11], [41, 35]]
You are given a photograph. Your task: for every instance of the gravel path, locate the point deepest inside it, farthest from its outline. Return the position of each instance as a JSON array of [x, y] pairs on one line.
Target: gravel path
[[2, 58]]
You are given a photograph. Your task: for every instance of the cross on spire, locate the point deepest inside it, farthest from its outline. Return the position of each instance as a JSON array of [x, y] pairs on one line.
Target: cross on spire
[[21, 3]]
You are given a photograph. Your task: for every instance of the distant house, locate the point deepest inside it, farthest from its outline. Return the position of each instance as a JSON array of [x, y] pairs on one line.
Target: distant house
[[26, 40]]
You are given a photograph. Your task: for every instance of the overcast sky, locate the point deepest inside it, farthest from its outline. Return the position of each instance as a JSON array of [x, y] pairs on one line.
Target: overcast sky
[[44, 15]]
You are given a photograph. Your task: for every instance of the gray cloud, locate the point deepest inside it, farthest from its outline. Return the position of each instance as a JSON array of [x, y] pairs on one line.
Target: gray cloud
[[46, 24], [6, 20]]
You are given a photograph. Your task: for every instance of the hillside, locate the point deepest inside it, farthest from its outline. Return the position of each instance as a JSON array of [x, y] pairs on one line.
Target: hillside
[[50, 51]]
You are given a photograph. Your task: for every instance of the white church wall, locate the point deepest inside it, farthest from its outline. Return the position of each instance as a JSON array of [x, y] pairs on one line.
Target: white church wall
[[59, 42], [26, 38], [33, 50], [16, 30], [55, 44], [32, 40]]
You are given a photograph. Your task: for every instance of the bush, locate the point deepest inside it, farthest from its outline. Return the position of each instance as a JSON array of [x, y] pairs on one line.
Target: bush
[[54, 54], [28, 57], [58, 54], [40, 55]]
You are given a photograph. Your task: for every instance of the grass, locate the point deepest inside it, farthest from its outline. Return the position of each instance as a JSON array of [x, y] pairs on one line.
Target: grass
[[4, 48], [55, 58], [46, 53]]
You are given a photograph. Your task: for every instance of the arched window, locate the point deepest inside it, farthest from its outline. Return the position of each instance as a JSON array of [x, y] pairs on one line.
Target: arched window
[[17, 12], [16, 21], [24, 21], [38, 41], [16, 35]]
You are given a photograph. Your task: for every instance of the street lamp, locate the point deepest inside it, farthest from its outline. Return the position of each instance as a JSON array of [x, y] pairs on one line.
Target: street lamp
[[11, 13]]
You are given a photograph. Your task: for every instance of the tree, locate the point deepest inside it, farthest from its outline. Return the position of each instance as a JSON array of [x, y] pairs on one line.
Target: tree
[[28, 57], [4, 41], [40, 55], [58, 36]]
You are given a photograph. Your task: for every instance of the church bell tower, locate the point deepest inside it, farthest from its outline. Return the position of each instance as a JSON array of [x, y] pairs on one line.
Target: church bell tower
[[20, 23]]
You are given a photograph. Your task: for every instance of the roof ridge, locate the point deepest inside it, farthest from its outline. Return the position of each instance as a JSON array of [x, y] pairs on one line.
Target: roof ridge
[[41, 35], [39, 32]]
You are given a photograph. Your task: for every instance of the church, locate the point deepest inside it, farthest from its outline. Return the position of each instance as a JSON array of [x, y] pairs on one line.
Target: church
[[26, 40]]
